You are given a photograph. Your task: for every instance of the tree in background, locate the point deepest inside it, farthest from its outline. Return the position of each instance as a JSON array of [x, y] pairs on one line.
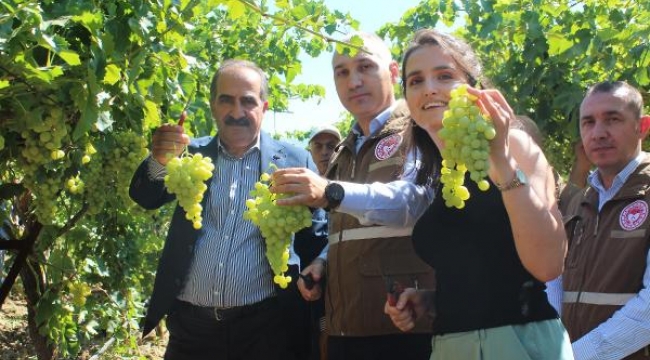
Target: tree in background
[[544, 54], [82, 85]]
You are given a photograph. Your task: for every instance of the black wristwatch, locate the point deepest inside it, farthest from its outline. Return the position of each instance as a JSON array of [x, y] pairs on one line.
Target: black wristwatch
[[334, 194]]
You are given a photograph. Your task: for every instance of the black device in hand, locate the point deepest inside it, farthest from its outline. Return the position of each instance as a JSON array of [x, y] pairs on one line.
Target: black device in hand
[[309, 281]]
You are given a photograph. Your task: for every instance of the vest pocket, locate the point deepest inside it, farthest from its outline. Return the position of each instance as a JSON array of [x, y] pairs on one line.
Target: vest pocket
[[575, 230]]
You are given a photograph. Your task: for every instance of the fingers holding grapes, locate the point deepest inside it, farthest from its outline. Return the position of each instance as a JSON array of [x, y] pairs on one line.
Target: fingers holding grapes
[[168, 141], [492, 103], [305, 186]]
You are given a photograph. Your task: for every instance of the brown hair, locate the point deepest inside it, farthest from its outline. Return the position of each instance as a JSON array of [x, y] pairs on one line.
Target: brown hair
[[469, 64], [459, 50]]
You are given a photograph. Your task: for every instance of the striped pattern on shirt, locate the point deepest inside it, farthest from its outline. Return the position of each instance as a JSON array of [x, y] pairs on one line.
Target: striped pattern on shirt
[[229, 267]]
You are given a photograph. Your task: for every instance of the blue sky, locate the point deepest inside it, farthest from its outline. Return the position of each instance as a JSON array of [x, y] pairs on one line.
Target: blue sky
[[371, 14]]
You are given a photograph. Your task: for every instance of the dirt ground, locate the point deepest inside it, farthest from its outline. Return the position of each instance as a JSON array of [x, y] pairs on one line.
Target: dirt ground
[[15, 343]]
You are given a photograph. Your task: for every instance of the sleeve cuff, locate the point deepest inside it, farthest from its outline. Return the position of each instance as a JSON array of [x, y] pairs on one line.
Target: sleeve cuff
[[155, 170], [584, 349]]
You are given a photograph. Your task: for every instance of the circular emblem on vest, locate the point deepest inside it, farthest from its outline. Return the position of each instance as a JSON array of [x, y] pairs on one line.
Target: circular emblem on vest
[[388, 146], [634, 215]]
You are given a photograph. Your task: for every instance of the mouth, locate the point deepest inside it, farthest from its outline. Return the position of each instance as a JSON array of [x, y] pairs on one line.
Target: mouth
[[357, 96], [435, 105], [601, 148]]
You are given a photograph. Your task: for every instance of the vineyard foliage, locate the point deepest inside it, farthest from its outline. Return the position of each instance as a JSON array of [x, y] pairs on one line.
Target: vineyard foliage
[[82, 86], [84, 83]]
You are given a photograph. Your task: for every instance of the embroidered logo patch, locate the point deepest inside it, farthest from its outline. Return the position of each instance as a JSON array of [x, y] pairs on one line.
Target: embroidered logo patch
[[634, 215], [387, 146]]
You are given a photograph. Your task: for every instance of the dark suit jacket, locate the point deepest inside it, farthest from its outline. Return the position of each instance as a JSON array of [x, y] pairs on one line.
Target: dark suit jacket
[[150, 193]]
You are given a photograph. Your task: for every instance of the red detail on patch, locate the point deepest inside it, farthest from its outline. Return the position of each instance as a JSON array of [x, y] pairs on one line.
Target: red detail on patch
[[634, 215], [388, 146]]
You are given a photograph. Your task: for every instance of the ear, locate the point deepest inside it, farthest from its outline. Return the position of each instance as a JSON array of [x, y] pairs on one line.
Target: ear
[[393, 67], [265, 106], [644, 125]]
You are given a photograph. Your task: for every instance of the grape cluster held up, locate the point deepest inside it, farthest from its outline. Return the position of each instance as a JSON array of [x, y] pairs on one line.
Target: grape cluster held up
[[186, 178], [277, 224], [466, 133]]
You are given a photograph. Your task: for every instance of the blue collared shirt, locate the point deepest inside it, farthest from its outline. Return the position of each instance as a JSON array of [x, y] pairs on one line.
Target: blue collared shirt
[[604, 195]]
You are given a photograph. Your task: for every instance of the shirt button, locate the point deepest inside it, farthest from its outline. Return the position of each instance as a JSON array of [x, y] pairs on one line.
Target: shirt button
[[220, 265], [226, 237]]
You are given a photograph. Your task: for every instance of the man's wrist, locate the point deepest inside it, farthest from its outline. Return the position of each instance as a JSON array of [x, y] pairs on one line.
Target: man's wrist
[[334, 194]]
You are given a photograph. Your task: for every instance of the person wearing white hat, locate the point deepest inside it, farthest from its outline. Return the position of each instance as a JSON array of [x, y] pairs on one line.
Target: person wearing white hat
[[322, 143]]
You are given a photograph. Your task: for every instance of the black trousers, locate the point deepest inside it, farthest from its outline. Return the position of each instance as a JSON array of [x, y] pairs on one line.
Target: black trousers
[[384, 347], [302, 319], [254, 333]]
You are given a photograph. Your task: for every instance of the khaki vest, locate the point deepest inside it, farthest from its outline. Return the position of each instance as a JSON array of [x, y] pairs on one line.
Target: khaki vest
[[607, 254], [361, 258]]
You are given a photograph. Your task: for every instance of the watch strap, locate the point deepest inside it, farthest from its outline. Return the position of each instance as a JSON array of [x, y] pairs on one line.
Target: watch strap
[[518, 180]]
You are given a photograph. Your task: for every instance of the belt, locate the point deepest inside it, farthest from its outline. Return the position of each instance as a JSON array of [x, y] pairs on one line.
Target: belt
[[225, 314]]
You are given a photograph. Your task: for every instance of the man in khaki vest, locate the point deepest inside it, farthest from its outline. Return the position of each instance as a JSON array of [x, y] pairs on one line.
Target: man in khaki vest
[[606, 300], [373, 197]]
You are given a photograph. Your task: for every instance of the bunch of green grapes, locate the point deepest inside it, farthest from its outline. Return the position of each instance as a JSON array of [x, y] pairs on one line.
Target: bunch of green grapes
[[277, 224], [128, 149], [79, 292], [466, 133], [186, 176], [44, 140], [46, 193]]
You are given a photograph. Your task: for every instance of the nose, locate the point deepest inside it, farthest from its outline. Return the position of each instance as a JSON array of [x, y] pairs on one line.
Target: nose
[[355, 80], [325, 152], [430, 88], [600, 130], [238, 110]]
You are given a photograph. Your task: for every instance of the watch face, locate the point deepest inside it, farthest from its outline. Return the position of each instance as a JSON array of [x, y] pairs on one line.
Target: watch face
[[334, 192], [521, 177]]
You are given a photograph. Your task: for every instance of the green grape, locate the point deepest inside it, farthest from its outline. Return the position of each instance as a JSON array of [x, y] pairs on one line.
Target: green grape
[[467, 134], [79, 292], [75, 185], [186, 178], [277, 224]]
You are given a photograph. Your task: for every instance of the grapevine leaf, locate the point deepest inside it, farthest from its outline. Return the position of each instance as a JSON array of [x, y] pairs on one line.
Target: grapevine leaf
[[558, 44], [70, 57], [89, 115], [112, 74], [151, 115], [236, 8]]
